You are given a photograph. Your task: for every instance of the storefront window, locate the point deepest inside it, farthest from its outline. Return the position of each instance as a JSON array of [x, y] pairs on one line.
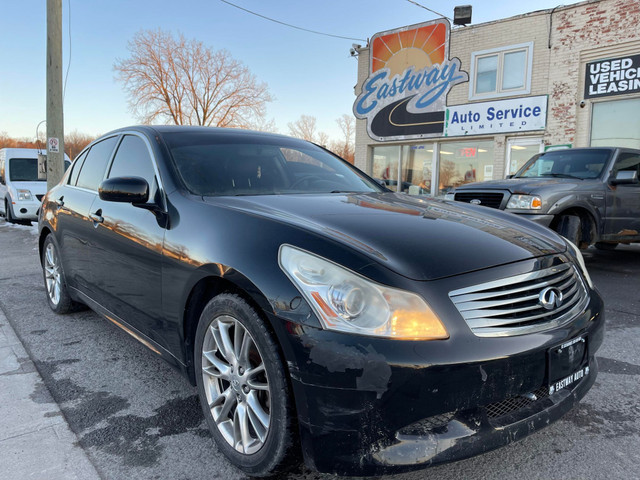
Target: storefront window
[[464, 162], [616, 124], [416, 169], [385, 164]]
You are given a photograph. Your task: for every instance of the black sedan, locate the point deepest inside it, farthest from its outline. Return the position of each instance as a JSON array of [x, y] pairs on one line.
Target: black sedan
[[321, 316]]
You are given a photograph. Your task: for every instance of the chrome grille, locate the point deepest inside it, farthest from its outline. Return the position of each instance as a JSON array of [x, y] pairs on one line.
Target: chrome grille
[[510, 306]]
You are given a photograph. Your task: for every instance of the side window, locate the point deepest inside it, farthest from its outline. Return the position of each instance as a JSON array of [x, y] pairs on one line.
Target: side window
[[76, 167], [627, 162], [132, 160], [92, 171]]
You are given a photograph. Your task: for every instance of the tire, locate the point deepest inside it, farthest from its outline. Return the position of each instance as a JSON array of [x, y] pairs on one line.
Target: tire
[[54, 282], [570, 227], [8, 214], [251, 381], [605, 246]]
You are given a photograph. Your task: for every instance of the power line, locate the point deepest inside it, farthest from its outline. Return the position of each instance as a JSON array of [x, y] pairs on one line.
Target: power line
[[293, 26], [428, 9]]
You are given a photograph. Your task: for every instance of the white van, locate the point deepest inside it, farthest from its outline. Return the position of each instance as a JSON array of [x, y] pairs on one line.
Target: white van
[[20, 190]]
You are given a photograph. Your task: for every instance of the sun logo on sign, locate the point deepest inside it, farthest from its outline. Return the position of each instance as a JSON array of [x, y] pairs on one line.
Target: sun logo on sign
[[418, 47]]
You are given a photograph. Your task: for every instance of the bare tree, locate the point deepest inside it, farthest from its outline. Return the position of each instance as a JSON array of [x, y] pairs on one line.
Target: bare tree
[[75, 141], [180, 81], [304, 128], [345, 147]]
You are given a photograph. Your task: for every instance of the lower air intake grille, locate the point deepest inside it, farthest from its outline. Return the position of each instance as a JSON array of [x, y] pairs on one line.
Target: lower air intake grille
[[510, 405], [522, 304], [488, 199]]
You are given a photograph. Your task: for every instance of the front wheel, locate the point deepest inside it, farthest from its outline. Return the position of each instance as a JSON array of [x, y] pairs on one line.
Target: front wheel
[[570, 227], [8, 215], [243, 388]]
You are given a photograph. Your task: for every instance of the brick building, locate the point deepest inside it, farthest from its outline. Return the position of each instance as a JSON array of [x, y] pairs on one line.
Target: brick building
[[438, 108]]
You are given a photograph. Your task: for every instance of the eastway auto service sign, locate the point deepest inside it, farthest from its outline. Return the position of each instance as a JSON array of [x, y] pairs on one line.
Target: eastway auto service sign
[[410, 76], [616, 76], [514, 115]]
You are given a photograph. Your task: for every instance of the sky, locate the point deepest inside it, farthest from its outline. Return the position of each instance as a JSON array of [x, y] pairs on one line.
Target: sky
[[307, 74]]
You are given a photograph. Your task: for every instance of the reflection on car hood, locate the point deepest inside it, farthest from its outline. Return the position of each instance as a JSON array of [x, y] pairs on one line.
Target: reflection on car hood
[[420, 238], [525, 185]]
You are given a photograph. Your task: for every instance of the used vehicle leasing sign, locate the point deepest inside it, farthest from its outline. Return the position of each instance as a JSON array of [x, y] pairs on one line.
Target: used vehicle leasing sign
[[513, 115], [616, 76]]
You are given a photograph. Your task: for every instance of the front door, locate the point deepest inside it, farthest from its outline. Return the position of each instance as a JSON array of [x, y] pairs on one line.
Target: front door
[[127, 245], [623, 202]]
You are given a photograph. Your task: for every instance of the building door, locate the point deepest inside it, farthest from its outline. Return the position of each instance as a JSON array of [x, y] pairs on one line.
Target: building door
[[521, 149]]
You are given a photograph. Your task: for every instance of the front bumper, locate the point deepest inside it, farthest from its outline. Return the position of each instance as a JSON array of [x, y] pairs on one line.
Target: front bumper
[[370, 406], [26, 210]]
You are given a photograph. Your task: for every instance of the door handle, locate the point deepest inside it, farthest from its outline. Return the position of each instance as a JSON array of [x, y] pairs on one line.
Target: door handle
[[97, 217]]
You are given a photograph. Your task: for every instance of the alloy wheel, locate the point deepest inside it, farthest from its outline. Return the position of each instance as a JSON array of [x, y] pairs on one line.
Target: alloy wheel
[[53, 278], [236, 384]]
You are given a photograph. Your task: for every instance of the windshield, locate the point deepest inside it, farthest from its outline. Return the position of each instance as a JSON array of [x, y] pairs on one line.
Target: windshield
[[23, 170], [580, 164], [212, 165]]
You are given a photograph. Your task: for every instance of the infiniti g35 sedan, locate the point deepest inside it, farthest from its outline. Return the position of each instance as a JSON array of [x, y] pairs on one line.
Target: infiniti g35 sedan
[[321, 317]]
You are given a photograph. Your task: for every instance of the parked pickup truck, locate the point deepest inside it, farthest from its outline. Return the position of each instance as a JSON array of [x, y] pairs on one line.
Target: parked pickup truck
[[588, 195]]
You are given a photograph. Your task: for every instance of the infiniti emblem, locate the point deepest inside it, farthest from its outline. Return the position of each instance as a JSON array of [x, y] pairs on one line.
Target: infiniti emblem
[[550, 298], [475, 201]]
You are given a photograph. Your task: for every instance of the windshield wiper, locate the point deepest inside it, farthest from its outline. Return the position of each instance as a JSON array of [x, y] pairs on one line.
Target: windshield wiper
[[560, 175]]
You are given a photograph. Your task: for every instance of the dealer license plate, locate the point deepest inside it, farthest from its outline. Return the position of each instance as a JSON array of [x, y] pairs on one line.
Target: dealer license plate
[[568, 363]]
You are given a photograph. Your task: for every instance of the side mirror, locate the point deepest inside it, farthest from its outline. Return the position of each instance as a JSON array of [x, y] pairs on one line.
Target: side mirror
[[125, 190], [625, 177]]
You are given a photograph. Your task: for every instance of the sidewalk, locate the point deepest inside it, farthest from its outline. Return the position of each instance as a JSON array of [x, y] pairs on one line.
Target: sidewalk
[[35, 440]]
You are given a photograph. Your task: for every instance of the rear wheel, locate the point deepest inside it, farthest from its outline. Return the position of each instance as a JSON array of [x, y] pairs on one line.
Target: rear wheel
[[54, 281], [570, 227], [606, 246], [242, 387]]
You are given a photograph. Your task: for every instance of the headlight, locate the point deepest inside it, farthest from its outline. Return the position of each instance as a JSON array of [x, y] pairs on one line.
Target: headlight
[[580, 259], [527, 202], [24, 195], [346, 302], [449, 196]]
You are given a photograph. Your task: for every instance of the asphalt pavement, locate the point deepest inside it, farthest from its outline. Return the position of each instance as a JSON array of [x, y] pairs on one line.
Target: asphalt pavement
[[79, 398]]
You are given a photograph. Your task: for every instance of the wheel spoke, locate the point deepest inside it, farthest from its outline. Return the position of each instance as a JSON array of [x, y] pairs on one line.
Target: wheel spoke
[[255, 370], [241, 419], [230, 401], [256, 409], [239, 336], [243, 354], [222, 368]]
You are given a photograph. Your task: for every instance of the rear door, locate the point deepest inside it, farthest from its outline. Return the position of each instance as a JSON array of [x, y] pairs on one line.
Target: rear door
[[73, 225], [623, 201]]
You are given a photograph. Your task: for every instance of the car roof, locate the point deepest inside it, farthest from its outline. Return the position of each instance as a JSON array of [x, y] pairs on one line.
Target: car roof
[[153, 130]]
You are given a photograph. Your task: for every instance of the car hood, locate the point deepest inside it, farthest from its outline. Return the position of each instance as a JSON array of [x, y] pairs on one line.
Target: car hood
[[525, 185], [420, 238]]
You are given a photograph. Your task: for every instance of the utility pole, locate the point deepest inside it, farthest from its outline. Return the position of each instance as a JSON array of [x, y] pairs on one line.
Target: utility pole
[[55, 118]]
